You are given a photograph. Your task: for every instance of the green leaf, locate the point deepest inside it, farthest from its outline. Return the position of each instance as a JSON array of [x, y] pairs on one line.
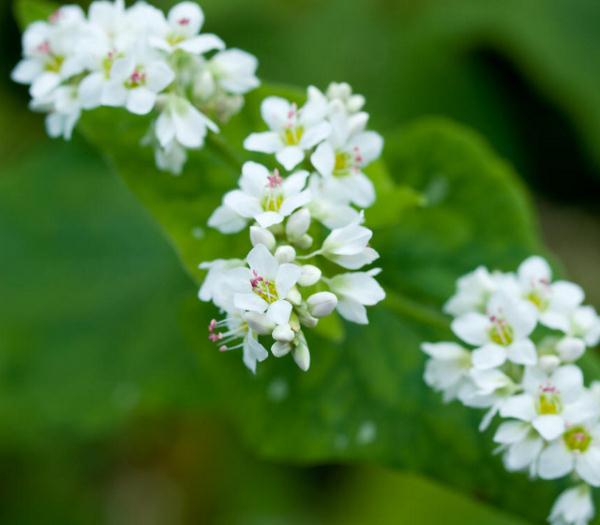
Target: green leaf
[[29, 11]]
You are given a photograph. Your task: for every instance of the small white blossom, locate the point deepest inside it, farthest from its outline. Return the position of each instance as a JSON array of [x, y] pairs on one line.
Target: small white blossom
[[293, 131], [573, 507], [448, 368], [355, 291], [348, 246]]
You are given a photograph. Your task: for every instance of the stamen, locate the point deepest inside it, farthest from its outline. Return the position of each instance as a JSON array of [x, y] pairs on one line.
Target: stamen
[[275, 180]]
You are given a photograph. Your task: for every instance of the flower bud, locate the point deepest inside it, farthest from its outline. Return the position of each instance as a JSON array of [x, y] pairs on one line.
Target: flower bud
[[259, 323], [205, 86], [304, 242], [570, 349], [298, 224], [294, 296], [283, 333], [280, 349], [302, 356], [321, 304], [285, 254], [310, 275], [549, 363], [307, 320], [356, 103], [260, 235]]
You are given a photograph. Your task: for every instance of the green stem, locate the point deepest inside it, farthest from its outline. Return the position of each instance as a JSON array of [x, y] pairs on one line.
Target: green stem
[[406, 307]]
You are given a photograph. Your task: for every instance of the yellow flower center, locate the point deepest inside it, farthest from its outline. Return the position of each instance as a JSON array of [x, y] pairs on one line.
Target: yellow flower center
[[501, 332], [55, 63], [549, 403], [577, 439], [264, 289], [538, 300], [293, 135]]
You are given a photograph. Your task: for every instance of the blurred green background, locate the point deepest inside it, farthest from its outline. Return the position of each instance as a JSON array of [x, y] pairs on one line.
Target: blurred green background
[[103, 414]]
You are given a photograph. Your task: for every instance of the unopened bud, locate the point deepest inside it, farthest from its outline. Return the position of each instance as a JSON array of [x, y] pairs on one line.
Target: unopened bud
[[283, 334], [205, 86], [355, 103], [259, 323], [285, 254], [263, 236], [307, 320], [304, 242], [549, 363], [570, 349], [279, 349], [310, 275], [298, 224], [302, 356], [321, 304], [294, 296]]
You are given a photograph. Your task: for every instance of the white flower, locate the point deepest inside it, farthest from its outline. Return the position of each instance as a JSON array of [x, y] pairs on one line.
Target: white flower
[[50, 52], [348, 246], [216, 279], [342, 157], [180, 121], [584, 325], [171, 158], [578, 450], [136, 81], [180, 32], [501, 334], [293, 131], [473, 293], [554, 301], [234, 71], [550, 402], [448, 368], [263, 196], [236, 328], [355, 291], [329, 207], [341, 93], [573, 507], [266, 286], [521, 445]]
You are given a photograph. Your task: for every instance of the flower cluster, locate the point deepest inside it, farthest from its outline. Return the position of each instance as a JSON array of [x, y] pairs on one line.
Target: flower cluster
[[280, 288], [139, 59], [521, 334]]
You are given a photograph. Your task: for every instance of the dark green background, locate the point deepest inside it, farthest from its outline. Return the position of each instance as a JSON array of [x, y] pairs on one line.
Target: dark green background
[[101, 397]]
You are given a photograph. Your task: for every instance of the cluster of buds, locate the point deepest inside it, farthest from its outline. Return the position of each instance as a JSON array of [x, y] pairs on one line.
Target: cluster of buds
[[521, 335], [304, 222], [139, 59]]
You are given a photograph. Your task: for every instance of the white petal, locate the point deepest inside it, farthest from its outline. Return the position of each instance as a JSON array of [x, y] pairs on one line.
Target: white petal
[[549, 426], [190, 126], [289, 157], [352, 311], [243, 204], [519, 407], [91, 89], [186, 17], [141, 101], [360, 189], [295, 183], [44, 84], [522, 352], [262, 261], [279, 312], [555, 461], [489, 356], [202, 44], [274, 111], [165, 129], [159, 76], [323, 159], [358, 286], [290, 204], [226, 220], [254, 178], [315, 134], [287, 276], [472, 328], [533, 270], [26, 71], [265, 142], [369, 144], [588, 466], [522, 454], [511, 431], [251, 302], [268, 218], [569, 381]]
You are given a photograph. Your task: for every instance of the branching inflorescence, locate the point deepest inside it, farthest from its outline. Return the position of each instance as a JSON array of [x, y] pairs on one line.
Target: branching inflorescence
[[524, 334], [138, 59], [288, 282]]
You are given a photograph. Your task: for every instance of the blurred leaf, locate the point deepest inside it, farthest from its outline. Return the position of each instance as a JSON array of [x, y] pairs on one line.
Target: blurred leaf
[[29, 11], [76, 358]]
